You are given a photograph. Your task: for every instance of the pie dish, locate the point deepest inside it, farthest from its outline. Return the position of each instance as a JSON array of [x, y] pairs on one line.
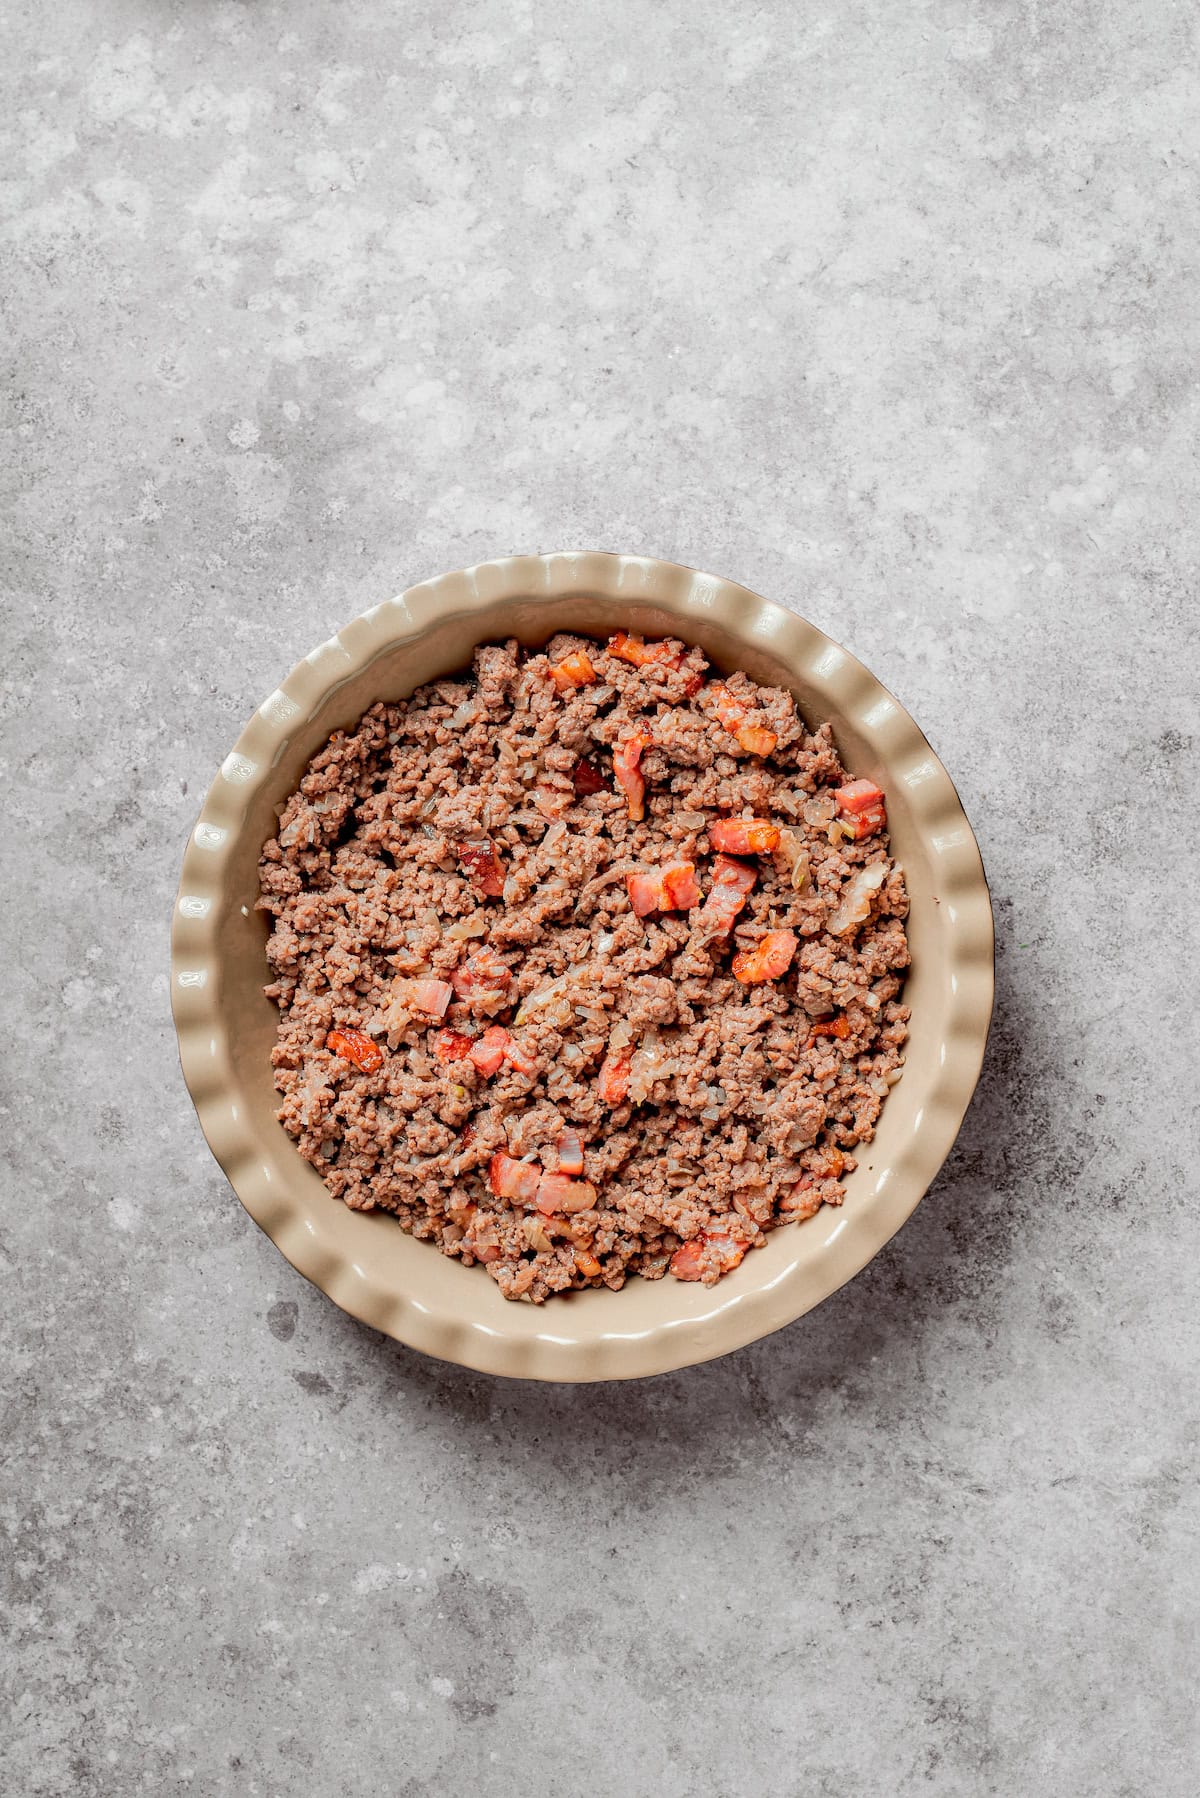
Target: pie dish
[[227, 1027]]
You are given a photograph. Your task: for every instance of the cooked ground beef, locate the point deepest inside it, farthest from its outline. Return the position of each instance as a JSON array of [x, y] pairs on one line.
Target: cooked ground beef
[[542, 998]]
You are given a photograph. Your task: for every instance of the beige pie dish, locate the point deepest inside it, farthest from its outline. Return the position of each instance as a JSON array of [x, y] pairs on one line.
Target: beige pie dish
[[364, 1261]]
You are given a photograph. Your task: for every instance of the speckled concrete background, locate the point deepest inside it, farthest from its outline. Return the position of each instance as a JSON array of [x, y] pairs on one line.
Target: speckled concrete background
[[893, 313]]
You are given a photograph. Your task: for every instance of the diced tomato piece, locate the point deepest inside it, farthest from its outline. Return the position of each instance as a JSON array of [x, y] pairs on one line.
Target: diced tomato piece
[[559, 1192], [839, 1026], [732, 884], [681, 889], [512, 1179], [428, 996], [689, 1261], [743, 836], [645, 892], [768, 959], [732, 714], [481, 864], [613, 1082], [483, 978], [588, 778], [356, 1046], [491, 1252], [626, 756], [448, 1045], [574, 670], [641, 654], [858, 795], [570, 1152], [488, 1053], [693, 683]]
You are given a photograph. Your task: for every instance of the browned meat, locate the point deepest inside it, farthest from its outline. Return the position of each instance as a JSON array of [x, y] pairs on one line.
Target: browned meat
[[446, 883]]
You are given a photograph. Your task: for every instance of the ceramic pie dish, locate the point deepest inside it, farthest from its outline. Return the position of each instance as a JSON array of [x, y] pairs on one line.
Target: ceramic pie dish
[[226, 1027]]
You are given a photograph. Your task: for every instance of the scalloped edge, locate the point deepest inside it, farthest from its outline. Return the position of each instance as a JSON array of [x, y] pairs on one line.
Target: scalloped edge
[[698, 1323]]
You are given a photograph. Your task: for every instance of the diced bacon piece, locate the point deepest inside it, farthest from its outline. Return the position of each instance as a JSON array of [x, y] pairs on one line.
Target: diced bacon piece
[[355, 1046], [498, 1045], [743, 836], [858, 795], [574, 670], [481, 864], [642, 654], [864, 824], [512, 1179], [626, 756], [559, 1192], [756, 739], [732, 884], [687, 1263], [691, 1261], [489, 1052], [449, 1045], [681, 889], [732, 714], [673, 888], [587, 778], [613, 1082], [768, 959], [428, 996], [645, 892], [570, 1152], [862, 807], [730, 711], [839, 1026]]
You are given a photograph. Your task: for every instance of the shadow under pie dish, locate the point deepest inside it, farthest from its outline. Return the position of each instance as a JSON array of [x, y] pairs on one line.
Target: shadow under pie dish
[[227, 1026]]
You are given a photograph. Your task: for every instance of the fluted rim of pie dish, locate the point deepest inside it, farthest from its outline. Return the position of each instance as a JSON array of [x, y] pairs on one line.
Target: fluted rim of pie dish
[[564, 1340]]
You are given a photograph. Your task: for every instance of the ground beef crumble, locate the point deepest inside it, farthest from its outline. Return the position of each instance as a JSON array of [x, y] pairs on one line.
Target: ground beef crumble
[[470, 1005]]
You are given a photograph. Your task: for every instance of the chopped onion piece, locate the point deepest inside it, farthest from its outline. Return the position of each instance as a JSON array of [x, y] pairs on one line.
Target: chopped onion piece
[[465, 928], [854, 906], [653, 1061], [545, 995], [793, 847]]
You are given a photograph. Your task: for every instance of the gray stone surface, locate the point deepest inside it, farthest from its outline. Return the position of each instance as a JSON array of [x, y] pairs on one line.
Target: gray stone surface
[[888, 311]]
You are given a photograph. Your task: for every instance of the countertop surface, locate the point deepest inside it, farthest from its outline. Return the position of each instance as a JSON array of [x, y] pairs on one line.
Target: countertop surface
[[892, 314]]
